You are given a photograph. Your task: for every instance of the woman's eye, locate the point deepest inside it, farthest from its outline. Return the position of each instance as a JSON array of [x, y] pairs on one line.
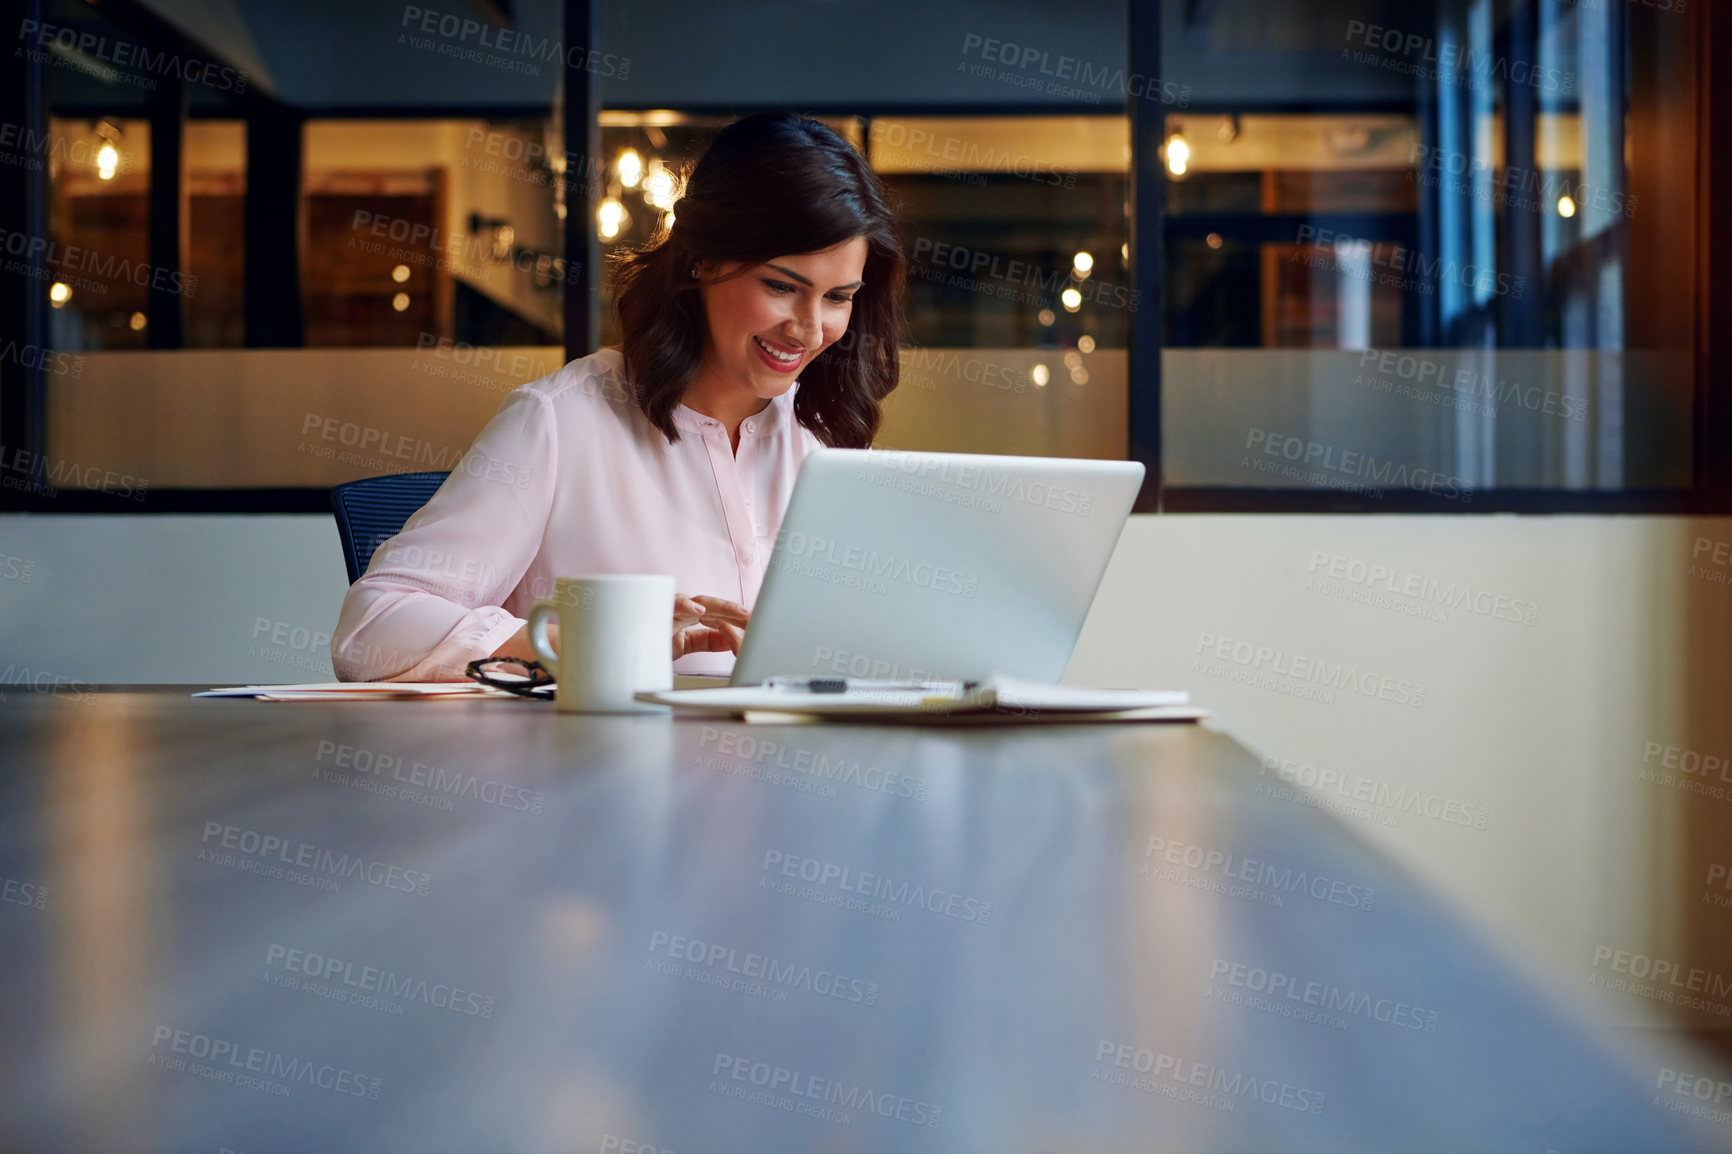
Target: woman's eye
[[842, 298], [777, 286]]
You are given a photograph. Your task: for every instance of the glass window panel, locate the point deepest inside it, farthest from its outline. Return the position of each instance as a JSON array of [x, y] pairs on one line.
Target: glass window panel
[[423, 230], [99, 212], [428, 249], [1448, 283], [1015, 227], [1019, 289], [215, 314]]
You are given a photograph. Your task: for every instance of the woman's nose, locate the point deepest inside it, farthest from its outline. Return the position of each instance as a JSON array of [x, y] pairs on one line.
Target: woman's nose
[[807, 324]]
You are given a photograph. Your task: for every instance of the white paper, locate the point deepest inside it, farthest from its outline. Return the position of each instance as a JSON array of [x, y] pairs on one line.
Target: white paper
[[348, 689], [1014, 693]]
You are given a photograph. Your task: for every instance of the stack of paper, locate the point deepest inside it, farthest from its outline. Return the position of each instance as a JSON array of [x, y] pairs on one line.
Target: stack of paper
[[998, 700], [360, 691]]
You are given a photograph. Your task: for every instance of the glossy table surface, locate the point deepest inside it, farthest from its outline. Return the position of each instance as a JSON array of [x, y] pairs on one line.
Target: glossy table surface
[[485, 926]]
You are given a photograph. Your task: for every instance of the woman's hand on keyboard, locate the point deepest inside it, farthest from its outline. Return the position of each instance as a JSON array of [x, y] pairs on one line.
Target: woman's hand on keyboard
[[705, 624]]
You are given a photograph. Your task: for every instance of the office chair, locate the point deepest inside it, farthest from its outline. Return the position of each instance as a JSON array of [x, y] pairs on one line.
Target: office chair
[[374, 509]]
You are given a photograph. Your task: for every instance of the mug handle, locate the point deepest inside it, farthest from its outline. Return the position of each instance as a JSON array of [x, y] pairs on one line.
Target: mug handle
[[539, 613]]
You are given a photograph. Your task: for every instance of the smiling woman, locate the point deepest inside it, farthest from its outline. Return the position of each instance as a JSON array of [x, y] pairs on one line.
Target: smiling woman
[[771, 186], [762, 325]]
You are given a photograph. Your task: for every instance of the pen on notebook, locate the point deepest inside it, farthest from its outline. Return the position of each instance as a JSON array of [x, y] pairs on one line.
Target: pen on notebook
[[856, 685]]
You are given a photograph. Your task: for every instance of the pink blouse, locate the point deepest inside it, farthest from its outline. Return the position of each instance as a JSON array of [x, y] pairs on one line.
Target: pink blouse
[[570, 477]]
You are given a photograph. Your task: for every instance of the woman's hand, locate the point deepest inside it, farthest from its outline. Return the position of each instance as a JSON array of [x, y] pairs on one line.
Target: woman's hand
[[706, 624], [701, 625]]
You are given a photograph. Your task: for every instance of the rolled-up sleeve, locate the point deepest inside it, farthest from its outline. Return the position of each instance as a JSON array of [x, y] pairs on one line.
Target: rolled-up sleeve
[[431, 600]]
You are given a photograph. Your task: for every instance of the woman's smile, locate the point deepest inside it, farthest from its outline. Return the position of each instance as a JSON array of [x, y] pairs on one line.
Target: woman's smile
[[779, 357]]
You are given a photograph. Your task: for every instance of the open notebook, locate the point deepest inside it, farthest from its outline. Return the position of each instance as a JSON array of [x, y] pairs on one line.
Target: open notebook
[[998, 700]]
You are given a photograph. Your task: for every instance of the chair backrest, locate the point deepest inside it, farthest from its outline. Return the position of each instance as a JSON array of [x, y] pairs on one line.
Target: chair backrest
[[373, 510]]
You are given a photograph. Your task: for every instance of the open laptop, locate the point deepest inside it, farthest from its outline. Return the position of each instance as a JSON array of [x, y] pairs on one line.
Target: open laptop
[[895, 565]]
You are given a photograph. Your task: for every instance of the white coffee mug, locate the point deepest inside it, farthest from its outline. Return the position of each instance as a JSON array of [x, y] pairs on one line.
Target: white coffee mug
[[615, 639]]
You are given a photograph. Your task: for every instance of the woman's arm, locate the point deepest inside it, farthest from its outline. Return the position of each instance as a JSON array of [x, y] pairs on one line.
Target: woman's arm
[[430, 602], [702, 624]]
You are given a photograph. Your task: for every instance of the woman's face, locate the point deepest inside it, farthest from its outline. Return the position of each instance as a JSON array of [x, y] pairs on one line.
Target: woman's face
[[771, 320]]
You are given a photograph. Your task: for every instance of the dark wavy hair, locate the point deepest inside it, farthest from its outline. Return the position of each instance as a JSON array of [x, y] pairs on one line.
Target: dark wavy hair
[[770, 185]]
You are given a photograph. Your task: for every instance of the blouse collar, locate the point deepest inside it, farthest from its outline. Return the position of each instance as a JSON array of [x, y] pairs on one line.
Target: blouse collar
[[778, 414], [774, 416]]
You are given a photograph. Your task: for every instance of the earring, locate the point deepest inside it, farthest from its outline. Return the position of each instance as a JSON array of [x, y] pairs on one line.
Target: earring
[[694, 272]]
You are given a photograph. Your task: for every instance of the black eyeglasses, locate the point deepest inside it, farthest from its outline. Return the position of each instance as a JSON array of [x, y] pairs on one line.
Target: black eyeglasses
[[514, 675]]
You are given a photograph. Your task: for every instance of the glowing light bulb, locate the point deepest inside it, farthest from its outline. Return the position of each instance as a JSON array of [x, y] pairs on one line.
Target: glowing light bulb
[[138, 321], [107, 161], [658, 189], [1566, 207], [610, 216], [1086, 343], [1178, 154], [1083, 263], [630, 168], [59, 293], [400, 273], [1070, 299], [400, 302], [1040, 375]]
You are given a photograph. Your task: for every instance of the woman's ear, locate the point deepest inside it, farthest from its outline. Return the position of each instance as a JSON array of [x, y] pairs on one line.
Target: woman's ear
[[709, 272]]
